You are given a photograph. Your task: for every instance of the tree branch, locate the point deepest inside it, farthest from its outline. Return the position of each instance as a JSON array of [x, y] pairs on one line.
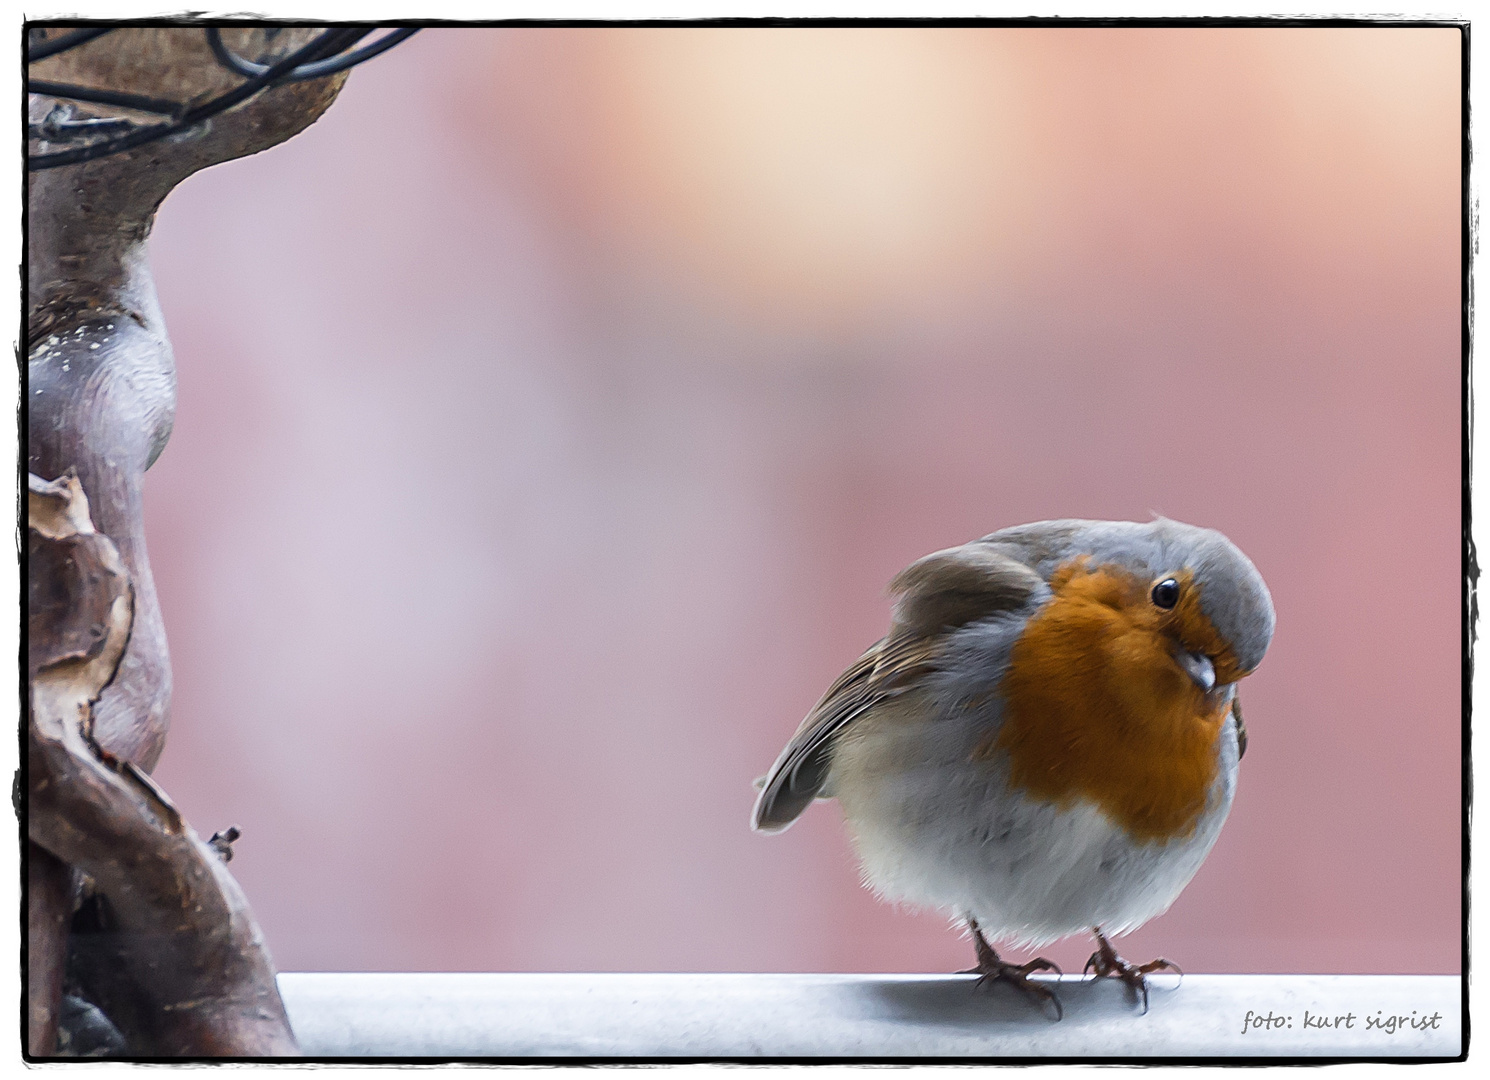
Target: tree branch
[[184, 970], [182, 920]]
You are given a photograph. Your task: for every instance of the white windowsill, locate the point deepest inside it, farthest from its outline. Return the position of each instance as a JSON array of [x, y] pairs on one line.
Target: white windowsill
[[740, 1016]]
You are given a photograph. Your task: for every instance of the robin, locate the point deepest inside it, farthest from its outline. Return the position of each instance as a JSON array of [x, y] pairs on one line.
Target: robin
[[1046, 742]]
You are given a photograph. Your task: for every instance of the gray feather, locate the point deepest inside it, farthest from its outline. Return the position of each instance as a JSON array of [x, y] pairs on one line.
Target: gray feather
[[935, 595]]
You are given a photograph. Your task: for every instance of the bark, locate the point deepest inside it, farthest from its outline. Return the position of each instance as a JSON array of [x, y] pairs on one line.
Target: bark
[[100, 404], [183, 968], [49, 884]]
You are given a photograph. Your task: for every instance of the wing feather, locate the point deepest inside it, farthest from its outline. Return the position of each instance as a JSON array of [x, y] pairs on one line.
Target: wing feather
[[936, 595], [800, 771]]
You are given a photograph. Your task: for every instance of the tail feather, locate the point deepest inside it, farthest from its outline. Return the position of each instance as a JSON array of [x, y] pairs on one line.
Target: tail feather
[[786, 792]]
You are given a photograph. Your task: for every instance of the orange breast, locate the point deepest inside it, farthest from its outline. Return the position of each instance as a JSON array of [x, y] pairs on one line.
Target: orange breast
[[1096, 707]]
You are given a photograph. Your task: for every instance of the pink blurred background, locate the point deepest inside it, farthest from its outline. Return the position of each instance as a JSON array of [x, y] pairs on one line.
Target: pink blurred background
[[554, 411]]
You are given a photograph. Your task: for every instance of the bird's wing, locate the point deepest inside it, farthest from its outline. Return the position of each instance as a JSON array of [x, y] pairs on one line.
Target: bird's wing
[[935, 596]]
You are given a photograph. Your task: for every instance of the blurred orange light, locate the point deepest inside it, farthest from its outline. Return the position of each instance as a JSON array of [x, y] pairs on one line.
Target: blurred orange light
[[820, 170]]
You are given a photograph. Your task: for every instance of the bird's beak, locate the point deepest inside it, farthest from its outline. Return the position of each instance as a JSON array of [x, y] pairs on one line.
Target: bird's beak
[[1200, 669]]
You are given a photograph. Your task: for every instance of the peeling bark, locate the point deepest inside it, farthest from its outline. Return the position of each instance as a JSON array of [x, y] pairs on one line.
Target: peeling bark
[[102, 394], [185, 965], [186, 972]]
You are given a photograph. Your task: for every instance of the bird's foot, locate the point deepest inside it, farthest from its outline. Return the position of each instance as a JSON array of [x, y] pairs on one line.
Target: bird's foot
[[992, 968], [1106, 962]]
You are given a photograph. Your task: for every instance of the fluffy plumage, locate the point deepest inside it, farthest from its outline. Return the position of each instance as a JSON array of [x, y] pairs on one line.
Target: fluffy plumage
[[1038, 744]]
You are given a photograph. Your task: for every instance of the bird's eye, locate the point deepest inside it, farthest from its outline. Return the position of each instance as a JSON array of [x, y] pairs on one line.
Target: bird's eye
[[1166, 594]]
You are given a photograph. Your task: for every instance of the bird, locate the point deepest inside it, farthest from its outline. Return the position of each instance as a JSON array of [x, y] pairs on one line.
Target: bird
[[1046, 742]]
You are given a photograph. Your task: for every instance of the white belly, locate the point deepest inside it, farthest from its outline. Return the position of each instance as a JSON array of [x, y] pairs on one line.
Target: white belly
[[934, 828]]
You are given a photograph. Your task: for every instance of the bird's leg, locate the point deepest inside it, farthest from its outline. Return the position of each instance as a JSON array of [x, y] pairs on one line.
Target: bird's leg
[[1105, 961], [991, 967]]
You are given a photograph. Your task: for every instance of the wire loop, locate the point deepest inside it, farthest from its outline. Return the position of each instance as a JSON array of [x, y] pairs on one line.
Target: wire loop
[[325, 55]]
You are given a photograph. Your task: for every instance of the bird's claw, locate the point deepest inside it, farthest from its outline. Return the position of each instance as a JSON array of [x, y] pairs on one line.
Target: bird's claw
[[1106, 962], [992, 968], [1019, 975]]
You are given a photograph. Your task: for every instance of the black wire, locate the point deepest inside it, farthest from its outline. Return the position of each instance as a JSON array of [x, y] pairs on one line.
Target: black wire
[[317, 59], [188, 119], [318, 69], [251, 69], [65, 42], [103, 97], [352, 59]]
